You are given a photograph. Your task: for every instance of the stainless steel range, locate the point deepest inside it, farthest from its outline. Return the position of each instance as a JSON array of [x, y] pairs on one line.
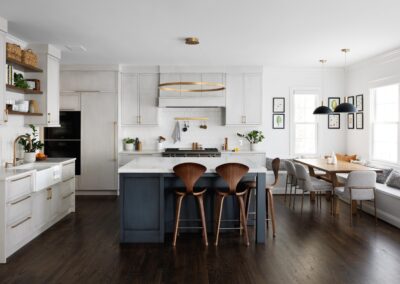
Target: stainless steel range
[[206, 152]]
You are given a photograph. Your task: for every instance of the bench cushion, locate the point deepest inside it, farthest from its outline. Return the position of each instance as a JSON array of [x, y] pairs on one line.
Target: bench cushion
[[388, 190], [383, 176], [394, 180]]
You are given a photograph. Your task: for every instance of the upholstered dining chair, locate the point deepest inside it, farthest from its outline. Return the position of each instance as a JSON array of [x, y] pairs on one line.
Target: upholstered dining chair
[[251, 185], [290, 179], [360, 185], [307, 183], [189, 173]]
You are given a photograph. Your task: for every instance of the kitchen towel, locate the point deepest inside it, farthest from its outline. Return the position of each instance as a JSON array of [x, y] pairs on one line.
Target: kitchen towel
[[176, 134]]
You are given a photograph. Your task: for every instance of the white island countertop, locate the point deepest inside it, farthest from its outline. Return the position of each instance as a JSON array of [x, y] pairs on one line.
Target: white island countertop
[[146, 164]]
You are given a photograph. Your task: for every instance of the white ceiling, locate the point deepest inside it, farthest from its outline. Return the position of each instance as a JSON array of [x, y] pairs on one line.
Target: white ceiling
[[231, 32]]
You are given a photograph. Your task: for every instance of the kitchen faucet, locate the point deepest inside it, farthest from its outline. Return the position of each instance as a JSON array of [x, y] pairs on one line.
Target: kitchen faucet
[[14, 163]]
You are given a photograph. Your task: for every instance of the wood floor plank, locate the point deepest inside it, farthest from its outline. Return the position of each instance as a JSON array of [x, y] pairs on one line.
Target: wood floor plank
[[312, 247]]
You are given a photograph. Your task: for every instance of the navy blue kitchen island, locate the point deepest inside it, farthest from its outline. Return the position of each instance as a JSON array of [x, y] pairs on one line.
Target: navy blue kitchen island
[[147, 199]]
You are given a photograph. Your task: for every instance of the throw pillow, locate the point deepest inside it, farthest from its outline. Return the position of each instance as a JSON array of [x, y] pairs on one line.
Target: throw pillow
[[394, 180]]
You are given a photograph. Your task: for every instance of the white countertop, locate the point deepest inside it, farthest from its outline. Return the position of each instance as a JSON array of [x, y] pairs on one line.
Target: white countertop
[[146, 164], [6, 173], [149, 152]]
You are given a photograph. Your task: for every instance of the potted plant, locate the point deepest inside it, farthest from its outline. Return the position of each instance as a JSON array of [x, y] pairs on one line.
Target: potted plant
[[254, 137], [129, 144], [160, 142], [31, 147]]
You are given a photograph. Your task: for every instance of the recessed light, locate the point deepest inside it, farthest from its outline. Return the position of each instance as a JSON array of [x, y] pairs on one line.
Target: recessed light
[[192, 40]]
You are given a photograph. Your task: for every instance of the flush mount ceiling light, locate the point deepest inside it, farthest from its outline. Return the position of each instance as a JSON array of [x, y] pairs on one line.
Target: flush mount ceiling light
[[192, 40], [345, 107], [322, 109], [177, 87]]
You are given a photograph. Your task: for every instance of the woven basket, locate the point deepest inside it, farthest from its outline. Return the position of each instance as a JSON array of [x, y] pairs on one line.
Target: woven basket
[[14, 51], [29, 58]]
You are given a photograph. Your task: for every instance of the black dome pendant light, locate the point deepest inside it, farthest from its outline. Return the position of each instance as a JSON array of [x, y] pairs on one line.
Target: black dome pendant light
[[345, 106], [322, 109]]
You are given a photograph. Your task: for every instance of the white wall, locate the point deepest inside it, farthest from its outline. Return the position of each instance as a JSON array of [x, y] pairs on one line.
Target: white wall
[[277, 83], [380, 70]]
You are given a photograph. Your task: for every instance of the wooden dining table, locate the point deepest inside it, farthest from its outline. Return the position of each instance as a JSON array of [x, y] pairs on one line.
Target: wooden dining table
[[329, 173]]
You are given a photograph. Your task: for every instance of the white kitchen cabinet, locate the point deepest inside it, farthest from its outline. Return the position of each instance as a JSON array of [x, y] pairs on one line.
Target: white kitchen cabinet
[[244, 99], [49, 102], [3, 115], [98, 141], [139, 96], [70, 101], [42, 208], [89, 81]]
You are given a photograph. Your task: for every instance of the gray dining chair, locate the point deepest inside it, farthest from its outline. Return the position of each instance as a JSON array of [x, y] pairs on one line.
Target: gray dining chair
[[360, 185], [307, 183], [290, 179]]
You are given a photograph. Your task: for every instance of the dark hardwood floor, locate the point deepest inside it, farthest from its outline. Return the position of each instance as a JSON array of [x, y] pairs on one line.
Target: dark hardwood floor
[[309, 248]]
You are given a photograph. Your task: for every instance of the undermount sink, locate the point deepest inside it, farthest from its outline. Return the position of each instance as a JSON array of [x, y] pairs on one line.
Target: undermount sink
[[46, 174]]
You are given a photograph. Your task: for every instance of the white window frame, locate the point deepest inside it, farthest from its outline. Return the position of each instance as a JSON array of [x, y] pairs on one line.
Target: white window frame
[[292, 135], [372, 125]]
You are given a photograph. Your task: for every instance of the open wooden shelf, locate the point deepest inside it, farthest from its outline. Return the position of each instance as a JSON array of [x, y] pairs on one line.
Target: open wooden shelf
[[11, 112], [22, 66], [14, 89]]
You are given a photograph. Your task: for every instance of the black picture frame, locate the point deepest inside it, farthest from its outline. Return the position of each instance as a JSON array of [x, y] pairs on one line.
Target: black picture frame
[[273, 120], [283, 104], [330, 99], [350, 100], [348, 121], [358, 126], [329, 121], [360, 102]]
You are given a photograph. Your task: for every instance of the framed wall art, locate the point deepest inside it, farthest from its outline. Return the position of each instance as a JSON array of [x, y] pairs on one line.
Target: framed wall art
[[334, 121], [360, 102], [278, 121], [350, 121], [359, 120], [333, 102], [278, 105]]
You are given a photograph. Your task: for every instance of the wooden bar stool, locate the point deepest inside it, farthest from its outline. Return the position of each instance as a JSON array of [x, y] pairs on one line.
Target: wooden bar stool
[[232, 173], [189, 173], [251, 185]]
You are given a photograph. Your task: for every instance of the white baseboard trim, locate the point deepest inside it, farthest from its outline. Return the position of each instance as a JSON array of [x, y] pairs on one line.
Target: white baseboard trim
[[391, 219]]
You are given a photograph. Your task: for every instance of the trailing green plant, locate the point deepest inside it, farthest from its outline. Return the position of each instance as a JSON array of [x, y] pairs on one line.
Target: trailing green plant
[[36, 143], [19, 81], [129, 140], [253, 137]]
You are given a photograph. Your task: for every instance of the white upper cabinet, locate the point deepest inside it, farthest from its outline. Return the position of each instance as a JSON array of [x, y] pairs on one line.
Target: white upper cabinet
[[139, 97], [49, 102], [244, 99], [89, 81]]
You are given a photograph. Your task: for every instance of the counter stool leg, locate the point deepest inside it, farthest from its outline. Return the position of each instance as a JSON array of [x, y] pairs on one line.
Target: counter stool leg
[[220, 203], [243, 218], [203, 218], [272, 208], [179, 199]]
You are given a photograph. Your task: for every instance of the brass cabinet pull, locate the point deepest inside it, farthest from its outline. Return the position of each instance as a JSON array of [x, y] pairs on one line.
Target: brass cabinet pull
[[20, 223], [6, 115], [18, 201], [114, 144], [68, 195], [49, 193]]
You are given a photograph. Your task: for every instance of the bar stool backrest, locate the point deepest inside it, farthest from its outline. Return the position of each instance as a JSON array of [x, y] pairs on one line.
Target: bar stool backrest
[[275, 168], [232, 173], [189, 173]]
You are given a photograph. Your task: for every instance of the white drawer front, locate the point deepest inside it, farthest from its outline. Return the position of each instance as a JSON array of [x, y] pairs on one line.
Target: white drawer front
[[18, 234], [68, 171], [19, 187], [19, 209], [67, 202], [67, 187]]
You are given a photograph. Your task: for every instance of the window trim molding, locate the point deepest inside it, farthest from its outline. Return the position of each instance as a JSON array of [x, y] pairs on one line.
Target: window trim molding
[[298, 90], [372, 111]]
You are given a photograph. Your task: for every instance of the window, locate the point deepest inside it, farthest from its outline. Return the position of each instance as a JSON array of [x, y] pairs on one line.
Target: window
[[304, 133], [385, 123]]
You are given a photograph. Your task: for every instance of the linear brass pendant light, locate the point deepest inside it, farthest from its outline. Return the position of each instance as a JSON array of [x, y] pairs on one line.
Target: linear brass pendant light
[[322, 109], [345, 106]]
